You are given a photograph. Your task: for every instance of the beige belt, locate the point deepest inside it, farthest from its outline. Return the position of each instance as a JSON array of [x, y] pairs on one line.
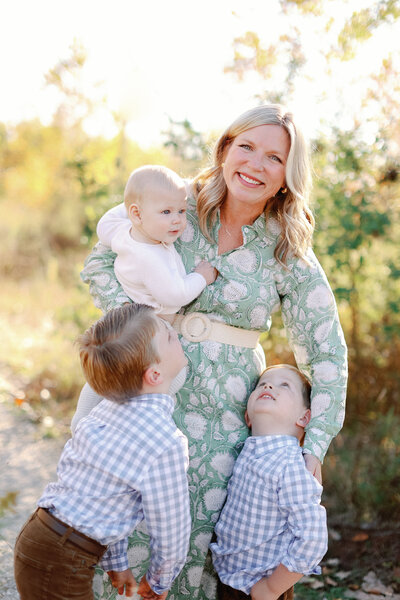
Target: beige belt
[[198, 327]]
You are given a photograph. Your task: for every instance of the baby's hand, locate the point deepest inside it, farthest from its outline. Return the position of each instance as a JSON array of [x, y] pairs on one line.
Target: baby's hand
[[209, 273]]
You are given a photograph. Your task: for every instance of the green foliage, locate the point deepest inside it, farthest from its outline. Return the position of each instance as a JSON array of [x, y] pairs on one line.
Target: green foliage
[[361, 475]]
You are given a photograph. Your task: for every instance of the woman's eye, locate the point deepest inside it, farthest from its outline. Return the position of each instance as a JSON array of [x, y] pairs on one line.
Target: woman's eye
[[182, 211], [166, 212], [275, 158], [284, 384], [245, 146]]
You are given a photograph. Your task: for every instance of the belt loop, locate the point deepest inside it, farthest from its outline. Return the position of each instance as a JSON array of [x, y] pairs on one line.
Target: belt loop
[[65, 536]]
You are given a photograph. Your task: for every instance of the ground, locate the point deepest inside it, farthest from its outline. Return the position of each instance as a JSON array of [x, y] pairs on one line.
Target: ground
[[361, 563]]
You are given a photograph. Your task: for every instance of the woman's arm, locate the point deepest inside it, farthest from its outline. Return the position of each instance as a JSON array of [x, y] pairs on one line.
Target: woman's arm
[[312, 324], [99, 273]]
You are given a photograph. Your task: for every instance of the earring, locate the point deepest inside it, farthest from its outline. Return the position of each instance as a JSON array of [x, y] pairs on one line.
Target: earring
[[283, 190], [222, 165]]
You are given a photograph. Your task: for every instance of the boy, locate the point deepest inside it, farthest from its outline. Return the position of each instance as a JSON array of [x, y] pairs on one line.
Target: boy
[[147, 265], [272, 529], [127, 462]]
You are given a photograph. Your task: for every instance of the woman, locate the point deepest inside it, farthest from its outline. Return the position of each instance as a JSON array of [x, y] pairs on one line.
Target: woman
[[248, 216]]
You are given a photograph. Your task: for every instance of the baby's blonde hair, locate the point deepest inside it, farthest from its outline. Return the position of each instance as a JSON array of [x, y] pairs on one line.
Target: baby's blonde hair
[[116, 351], [289, 207], [147, 179]]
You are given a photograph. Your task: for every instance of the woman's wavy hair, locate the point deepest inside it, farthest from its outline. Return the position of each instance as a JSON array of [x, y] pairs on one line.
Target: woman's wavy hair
[[289, 207]]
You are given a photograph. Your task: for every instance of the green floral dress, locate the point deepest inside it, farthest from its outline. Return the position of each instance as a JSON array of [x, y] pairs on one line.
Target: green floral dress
[[210, 408]]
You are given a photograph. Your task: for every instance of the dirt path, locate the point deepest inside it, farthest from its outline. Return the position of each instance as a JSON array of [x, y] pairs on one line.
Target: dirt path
[[27, 463]]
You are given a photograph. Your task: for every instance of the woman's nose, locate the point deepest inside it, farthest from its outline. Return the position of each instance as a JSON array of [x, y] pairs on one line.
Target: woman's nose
[[256, 161]]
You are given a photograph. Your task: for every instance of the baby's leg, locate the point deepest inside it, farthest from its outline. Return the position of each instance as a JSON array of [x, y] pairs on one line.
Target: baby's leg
[[88, 399]]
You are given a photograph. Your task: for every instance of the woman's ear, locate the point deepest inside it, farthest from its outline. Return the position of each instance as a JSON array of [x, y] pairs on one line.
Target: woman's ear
[[134, 214], [305, 419], [246, 418]]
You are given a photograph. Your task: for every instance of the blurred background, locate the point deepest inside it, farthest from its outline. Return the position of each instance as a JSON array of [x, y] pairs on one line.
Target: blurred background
[[92, 90]]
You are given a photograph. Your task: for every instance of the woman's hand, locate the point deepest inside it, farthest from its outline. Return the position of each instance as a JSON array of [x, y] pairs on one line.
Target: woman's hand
[[146, 592], [121, 580], [314, 466], [209, 273]]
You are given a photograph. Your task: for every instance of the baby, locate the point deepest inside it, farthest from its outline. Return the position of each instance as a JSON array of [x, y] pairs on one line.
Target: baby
[[272, 529], [147, 265]]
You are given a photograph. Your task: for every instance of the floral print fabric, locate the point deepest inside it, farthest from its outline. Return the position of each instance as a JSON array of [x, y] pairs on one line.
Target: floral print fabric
[[210, 408]]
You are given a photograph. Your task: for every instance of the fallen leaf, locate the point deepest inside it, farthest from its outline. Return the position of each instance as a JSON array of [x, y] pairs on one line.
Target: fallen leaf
[[342, 575], [316, 585], [333, 562], [354, 586], [360, 537], [372, 585], [330, 581]]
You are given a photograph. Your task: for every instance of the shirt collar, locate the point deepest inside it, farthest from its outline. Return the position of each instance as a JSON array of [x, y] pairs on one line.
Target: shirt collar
[[261, 444], [250, 232], [162, 402]]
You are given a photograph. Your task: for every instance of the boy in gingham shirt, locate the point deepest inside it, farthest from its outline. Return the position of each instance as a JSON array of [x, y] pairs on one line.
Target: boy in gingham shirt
[[126, 463], [272, 529]]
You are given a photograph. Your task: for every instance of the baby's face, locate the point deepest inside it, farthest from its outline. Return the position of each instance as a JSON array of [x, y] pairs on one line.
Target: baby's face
[[277, 399], [163, 214]]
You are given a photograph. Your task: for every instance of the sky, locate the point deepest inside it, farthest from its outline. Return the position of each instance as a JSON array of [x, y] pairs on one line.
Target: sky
[[156, 59]]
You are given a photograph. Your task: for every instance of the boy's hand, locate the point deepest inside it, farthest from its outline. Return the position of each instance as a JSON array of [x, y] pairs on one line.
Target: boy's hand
[[121, 580], [146, 592], [314, 466], [209, 273]]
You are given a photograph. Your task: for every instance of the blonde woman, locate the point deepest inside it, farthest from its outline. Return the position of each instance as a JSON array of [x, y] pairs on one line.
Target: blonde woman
[[248, 216]]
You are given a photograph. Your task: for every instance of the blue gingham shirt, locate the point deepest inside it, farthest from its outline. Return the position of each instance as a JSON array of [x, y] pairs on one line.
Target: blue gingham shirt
[[127, 462], [272, 515]]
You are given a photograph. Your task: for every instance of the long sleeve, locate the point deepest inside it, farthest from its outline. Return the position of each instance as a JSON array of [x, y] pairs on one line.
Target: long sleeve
[[299, 497], [166, 510], [110, 223], [104, 287], [311, 320]]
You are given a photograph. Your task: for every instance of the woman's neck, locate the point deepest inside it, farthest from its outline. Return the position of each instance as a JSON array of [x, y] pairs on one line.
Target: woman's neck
[[232, 219], [235, 216]]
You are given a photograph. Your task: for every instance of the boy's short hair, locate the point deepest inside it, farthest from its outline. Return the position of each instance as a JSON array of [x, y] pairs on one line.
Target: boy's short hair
[[150, 175], [306, 385], [116, 351]]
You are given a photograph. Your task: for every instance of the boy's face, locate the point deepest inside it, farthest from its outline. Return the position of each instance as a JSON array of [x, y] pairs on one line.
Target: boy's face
[[170, 351], [163, 214], [277, 402]]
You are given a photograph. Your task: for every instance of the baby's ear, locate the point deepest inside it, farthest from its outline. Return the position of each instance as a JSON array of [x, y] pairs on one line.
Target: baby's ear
[[246, 418], [305, 419], [134, 213]]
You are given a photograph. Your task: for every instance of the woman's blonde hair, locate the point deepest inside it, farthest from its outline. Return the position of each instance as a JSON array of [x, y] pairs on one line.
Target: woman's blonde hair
[[289, 207], [116, 351]]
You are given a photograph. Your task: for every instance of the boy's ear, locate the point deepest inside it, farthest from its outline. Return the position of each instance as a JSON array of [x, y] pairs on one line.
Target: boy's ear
[[134, 214], [305, 419], [152, 377], [246, 418]]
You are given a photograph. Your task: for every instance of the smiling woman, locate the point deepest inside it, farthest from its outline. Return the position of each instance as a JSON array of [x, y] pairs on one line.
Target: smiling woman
[[248, 216]]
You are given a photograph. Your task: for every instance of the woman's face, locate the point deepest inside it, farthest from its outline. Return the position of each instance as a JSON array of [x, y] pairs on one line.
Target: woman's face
[[255, 165]]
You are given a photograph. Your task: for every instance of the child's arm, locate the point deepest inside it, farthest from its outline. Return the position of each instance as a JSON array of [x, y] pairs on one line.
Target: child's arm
[[270, 588], [299, 500], [165, 500], [110, 223], [88, 399]]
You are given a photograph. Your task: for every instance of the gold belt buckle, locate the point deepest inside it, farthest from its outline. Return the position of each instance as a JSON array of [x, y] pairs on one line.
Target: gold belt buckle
[[196, 327]]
